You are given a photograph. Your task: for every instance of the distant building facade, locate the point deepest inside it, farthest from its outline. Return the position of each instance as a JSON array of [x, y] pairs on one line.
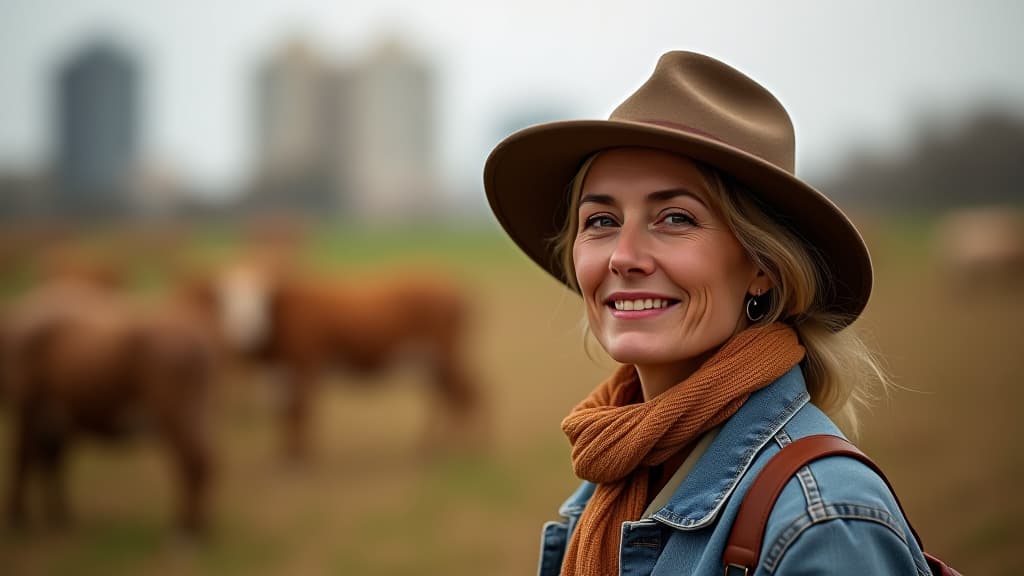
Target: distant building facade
[[392, 134], [298, 129], [97, 124], [357, 138]]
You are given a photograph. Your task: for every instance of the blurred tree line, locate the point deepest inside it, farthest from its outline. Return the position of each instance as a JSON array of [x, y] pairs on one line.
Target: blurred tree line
[[979, 161]]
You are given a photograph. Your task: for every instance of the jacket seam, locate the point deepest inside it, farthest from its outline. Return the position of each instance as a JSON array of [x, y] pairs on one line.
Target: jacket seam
[[838, 511], [783, 438], [812, 495], [806, 480]]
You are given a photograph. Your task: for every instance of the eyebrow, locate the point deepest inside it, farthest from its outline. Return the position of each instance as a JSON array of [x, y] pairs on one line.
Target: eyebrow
[[656, 196]]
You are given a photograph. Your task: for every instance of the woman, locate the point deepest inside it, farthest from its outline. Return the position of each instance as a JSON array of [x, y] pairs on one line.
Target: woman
[[724, 286]]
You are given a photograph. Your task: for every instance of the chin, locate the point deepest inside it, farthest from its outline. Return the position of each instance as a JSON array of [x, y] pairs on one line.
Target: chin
[[642, 351]]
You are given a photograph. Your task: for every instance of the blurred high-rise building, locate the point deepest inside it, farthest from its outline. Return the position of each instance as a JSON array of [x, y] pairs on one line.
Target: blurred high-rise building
[[392, 136], [298, 134], [97, 128], [357, 137]]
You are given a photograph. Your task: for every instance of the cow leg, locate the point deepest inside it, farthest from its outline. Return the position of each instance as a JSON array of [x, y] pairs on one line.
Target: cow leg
[[180, 404], [460, 396], [461, 409], [195, 485], [21, 467], [192, 459], [298, 399], [52, 460]]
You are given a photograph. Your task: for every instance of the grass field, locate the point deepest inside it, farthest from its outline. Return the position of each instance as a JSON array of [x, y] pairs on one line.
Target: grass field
[[371, 502]]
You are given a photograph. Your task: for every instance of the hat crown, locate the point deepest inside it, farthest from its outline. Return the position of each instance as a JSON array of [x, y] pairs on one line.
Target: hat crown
[[695, 93]]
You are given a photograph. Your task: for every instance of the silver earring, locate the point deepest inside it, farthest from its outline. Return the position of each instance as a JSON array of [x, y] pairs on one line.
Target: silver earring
[[756, 308]]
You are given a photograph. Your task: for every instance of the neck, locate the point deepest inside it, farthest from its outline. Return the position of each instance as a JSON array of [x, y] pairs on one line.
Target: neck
[[655, 379]]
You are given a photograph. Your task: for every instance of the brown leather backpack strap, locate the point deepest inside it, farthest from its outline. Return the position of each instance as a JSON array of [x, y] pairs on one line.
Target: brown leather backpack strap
[[743, 549]]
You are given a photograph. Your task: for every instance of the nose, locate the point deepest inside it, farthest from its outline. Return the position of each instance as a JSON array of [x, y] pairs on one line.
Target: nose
[[631, 256]]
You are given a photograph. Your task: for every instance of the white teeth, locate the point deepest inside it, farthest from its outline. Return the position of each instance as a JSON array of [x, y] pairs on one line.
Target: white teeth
[[640, 304]]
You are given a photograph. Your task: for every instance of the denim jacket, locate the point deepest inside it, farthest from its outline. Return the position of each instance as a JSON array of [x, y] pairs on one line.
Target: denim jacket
[[835, 516]]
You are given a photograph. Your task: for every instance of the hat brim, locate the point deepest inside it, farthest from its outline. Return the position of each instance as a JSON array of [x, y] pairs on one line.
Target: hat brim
[[527, 175]]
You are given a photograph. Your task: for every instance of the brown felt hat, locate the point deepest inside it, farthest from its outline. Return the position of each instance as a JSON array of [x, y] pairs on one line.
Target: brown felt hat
[[700, 108]]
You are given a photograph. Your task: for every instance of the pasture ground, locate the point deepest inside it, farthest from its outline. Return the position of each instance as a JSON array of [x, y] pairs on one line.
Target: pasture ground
[[373, 502]]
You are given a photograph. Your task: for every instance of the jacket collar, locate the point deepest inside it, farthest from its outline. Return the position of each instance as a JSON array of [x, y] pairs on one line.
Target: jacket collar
[[709, 484], [578, 501]]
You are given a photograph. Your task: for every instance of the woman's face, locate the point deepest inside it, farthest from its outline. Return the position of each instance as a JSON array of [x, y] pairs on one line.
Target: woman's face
[[662, 276]]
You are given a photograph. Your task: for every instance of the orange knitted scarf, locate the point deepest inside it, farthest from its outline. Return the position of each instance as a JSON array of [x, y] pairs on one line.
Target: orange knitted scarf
[[615, 442]]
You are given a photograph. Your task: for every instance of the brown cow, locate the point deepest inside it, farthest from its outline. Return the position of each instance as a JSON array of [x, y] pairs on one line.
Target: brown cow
[[79, 360], [981, 246], [307, 324]]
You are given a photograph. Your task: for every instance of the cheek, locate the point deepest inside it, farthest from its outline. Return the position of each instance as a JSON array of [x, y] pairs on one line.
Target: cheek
[[733, 284], [589, 267], [715, 279]]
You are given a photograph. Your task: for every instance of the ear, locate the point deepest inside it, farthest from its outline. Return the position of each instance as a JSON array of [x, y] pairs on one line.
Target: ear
[[760, 284]]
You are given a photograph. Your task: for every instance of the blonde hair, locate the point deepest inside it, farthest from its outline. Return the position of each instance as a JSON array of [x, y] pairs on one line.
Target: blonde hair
[[843, 374]]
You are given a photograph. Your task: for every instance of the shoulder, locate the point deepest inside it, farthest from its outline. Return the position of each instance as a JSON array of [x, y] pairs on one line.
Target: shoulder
[[837, 512]]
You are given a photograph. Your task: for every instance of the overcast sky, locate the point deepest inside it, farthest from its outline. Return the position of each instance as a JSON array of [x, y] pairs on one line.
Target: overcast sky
[[852, 74]]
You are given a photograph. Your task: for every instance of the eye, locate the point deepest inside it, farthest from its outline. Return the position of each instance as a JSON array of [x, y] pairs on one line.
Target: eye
[[599, 221], [678, 219]]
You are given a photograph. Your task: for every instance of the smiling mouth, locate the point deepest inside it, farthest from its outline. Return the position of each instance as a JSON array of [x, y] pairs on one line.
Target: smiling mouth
[[642, 304]]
